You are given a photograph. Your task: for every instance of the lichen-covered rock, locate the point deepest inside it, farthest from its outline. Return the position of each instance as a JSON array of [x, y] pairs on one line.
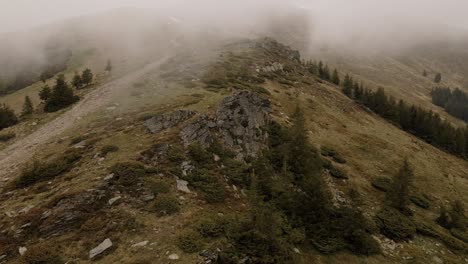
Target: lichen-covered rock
[[162, 122], [237, 124]]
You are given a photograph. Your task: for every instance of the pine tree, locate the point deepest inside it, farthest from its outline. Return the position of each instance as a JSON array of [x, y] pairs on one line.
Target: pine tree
[[326, 73], [77, 81], [27, 107], [61, 96], [398, 195], [335, 77], [424, 73], [87, 77], [320, 69], [109, 66], [7, 117], [348, 86], [44, 94], [438, 78]]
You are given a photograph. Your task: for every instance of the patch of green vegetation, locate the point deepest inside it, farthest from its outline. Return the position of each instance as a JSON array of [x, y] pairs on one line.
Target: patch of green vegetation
[[330, 152], [43, 171], [190, 241], [382, 183], [109, 149], [395, 225], [212, 226], [175, 154], [420, 201], [159, 186], [4, 137], [337, 173], [166, 204], [127, 173], [259, 89], [42, 253]]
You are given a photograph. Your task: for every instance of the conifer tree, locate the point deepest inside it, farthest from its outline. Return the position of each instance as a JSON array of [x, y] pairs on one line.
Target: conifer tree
[[61, 96], [87, 77], [438, 78], [424, 73], [27, 107], [326, 73], [7, 117], [44, 94], [348, 86], [335, 77], [77, 81], [109, 66], [398, 195]]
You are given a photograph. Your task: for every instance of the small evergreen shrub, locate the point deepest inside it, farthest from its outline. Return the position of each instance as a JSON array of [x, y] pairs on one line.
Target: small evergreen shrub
[[42, 253], [190, 242], [460, 234], [214, 192], [4, 137], [175, 154], [395, 225], [159, 186], [166, 205], [213, 226], [337, 173], [420, 201], [109, 149], [42, 171], [382, 183], [127, 173]]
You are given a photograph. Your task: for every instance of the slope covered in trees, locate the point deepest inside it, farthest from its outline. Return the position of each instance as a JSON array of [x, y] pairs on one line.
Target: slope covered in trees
[[454, 101]]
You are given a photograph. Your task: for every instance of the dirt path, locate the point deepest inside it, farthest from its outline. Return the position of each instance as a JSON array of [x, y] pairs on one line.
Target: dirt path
[[12, 157]]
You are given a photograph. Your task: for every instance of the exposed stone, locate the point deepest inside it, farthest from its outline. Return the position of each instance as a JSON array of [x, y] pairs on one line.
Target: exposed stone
[[173, 257], [141, 244], [106, 244], [237, 124], [148, 197], [276, 66], [114, 200], [437, 260], [182, 186], [22, 250], [109, 177], [159, 123]]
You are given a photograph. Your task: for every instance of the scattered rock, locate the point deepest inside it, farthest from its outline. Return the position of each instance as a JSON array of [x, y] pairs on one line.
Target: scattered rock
[[106, 244], [113, 200], [148, 197], [296, 250], [141, 244], [437, 260], [109, 177], [182, 186], [173, 257], [237, 124], [2, 257], [22, 250], [162, 122]]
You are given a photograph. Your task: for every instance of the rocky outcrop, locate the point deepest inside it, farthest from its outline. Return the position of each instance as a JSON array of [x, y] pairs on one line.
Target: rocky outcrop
[[274, 67], [162, 122], [237, 124]]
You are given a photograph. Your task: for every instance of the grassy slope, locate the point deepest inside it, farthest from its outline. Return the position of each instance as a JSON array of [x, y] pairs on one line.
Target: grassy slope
[[371, 146]]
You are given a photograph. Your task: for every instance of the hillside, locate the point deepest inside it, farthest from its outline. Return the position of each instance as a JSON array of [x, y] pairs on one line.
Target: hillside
[[137, 166]]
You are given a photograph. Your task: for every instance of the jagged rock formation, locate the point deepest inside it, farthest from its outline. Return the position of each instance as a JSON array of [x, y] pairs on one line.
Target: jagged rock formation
[[237, 124], [159, 123]]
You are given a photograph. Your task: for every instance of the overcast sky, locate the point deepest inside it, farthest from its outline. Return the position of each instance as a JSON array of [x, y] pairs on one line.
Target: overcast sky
[[22, 14]]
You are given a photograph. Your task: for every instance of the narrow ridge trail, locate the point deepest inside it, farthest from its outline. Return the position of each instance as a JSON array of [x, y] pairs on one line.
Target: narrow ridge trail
[[15, 155]]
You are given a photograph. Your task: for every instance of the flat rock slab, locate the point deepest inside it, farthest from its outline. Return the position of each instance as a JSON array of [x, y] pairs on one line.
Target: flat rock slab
[[106, 244]]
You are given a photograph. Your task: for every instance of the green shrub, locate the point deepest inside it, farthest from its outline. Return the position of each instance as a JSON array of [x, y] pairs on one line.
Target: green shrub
[[337, 173], [339, 159], [42, 253], [382, 183], [78, 139], [395, 225], [127, 173], [166, 205], [4, 137], [237, 172], [260, 90], [190, 242], [213, 226], [8, 117], [327, 151], [175, 154], [43, 171], [108, 149], [214, 192], [159, 186], [200, 155], [460, 234], [420, 201], [363, 244]]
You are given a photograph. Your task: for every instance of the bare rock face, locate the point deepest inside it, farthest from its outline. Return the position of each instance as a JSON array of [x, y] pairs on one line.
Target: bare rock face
[[162, 122], [237, 124]]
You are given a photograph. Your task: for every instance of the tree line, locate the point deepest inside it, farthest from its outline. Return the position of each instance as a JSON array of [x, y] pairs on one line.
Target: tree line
[[60, 96], [424, 124], [455, 102]]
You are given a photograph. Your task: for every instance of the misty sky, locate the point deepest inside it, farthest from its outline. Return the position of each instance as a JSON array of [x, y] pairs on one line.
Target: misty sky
[[22, 14]]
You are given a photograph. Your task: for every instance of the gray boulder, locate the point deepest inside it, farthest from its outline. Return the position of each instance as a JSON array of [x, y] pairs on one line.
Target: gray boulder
[[162, 122]]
